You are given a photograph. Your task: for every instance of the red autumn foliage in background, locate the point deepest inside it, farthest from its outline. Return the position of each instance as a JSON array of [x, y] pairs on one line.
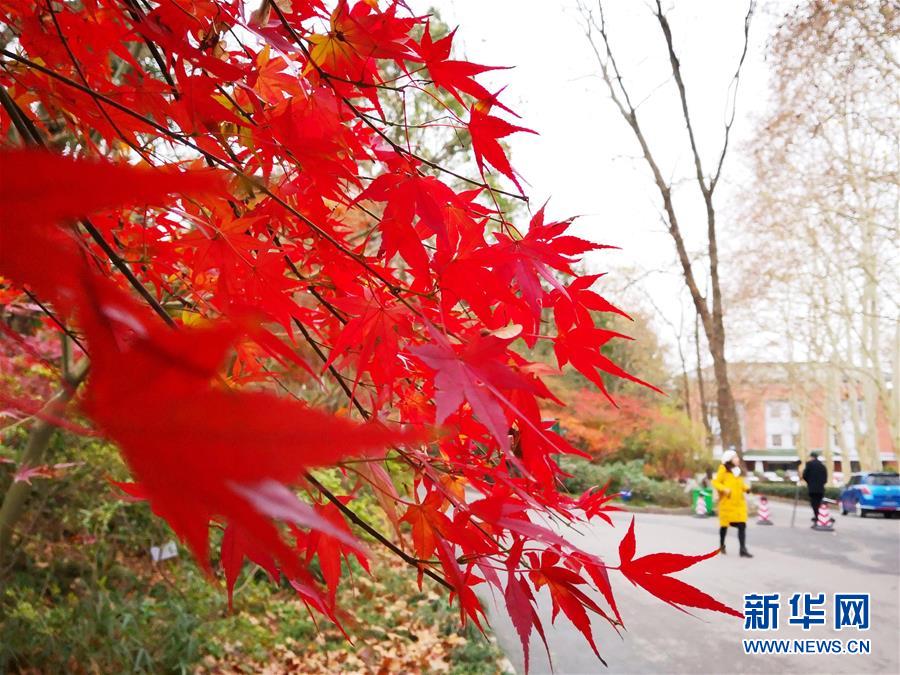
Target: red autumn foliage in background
[[234, 222]]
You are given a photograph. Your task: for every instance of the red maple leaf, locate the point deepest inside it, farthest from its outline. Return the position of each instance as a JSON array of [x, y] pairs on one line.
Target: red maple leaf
[[486, 131], [417, 209], [580, 348], [198, 450], [651, 573], [471, 373], [564, 593], [276, 264], [452, 75], [332, 545], [238, 544], [428, 523]]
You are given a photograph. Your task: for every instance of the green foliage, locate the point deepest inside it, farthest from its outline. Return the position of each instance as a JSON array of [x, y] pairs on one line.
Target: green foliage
[[670, 445], [81, 504], [623, 475], [57, 617], [789, 490], [82, 594]]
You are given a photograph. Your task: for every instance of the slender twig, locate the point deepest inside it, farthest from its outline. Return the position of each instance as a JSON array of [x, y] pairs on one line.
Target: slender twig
[[32, 137], [364, 118], [375, 534]]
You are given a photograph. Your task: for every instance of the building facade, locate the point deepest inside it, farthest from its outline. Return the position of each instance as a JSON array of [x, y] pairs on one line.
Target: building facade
[[788, 410]]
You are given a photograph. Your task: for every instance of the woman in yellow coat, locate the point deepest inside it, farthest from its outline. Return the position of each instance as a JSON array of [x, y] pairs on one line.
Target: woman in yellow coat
[[732, 504]]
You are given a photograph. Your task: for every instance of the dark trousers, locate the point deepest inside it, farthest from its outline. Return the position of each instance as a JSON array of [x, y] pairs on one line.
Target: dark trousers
[[815, 501], [742, 534]]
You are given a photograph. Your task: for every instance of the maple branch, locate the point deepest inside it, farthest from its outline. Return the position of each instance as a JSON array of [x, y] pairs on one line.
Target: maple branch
[[331, 369], [55, 319], [136, 13], [77, 66], [38, 440], [20, 122], [434, 165], [32, 137], [371, 531], [364, 118], [392, 286], [365, 414]]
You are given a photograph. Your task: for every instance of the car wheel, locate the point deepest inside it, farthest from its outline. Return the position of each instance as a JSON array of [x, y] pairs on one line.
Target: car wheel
[[863, 513]]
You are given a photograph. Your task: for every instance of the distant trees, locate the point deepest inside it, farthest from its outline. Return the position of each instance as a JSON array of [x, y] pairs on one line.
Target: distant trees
[[644, 424], [821, 213]]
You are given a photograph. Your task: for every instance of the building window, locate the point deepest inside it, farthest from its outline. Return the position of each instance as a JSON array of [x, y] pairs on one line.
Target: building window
[[795, 439], [780, 424]]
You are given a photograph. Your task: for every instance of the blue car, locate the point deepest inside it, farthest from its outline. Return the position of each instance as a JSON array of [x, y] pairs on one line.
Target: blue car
[[870, 492]]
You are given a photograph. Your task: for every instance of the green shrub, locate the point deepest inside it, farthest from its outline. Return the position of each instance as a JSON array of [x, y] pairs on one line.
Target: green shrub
[[586, 475], [81, 595], [789, 490]]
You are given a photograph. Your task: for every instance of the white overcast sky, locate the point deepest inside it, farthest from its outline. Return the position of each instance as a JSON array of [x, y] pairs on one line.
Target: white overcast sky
[[585, 159]]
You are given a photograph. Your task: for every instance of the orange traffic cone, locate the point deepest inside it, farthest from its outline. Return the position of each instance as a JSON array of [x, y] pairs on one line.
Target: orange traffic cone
[[824, 522], [763, 512]]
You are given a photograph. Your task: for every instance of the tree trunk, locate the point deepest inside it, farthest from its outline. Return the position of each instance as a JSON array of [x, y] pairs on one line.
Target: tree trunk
[[870, 415], [834, 432], [701, 390], [16, 496], [726, 408]]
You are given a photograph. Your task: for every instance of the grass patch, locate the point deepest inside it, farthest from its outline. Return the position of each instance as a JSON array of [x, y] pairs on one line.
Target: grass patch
[[81, 595]]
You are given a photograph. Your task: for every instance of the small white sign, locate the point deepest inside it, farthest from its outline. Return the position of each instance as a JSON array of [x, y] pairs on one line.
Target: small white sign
[[164, 552]]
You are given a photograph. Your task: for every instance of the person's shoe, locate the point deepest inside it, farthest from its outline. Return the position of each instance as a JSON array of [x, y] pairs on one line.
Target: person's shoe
[[745, 553], [813, 519], [722, 550]]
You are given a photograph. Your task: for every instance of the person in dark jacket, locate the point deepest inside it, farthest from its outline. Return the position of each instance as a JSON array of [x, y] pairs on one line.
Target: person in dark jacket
[[815, 475]]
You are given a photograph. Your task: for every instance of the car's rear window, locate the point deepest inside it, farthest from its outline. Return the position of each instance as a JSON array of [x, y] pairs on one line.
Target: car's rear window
[[883, 480]]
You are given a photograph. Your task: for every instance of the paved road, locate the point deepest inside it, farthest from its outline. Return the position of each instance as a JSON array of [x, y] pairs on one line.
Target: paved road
[[862, 555]]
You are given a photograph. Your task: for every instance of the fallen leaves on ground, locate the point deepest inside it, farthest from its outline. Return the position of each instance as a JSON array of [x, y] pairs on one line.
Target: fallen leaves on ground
[[395, 634]]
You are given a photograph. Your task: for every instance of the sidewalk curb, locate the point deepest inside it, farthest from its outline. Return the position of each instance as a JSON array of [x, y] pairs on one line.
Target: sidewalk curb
[[673, 510], [651, 508]]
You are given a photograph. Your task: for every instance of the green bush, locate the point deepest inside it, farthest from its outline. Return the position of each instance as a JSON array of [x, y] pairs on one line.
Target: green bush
[[789, 490], [81, 595], [586, 475]]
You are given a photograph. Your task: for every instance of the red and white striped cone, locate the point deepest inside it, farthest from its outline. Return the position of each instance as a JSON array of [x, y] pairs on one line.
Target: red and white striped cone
[[763, 512], [700, 510], [824, 522]]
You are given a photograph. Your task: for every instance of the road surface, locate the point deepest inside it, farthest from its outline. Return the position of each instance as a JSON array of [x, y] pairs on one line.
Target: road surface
[[862, 555]]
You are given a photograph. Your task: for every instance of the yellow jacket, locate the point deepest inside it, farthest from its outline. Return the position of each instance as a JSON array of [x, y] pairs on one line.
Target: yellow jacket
[[731, 489]]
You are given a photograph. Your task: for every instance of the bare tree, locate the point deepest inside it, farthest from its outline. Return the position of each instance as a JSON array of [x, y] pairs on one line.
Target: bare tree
[[822, 210], [709, 310]]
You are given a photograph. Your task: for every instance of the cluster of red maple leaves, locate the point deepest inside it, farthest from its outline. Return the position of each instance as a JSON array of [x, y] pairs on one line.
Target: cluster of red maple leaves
[[231, 221]]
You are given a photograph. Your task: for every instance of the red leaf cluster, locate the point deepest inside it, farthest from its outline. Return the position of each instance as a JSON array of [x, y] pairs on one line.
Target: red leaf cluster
[[327, 255]]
